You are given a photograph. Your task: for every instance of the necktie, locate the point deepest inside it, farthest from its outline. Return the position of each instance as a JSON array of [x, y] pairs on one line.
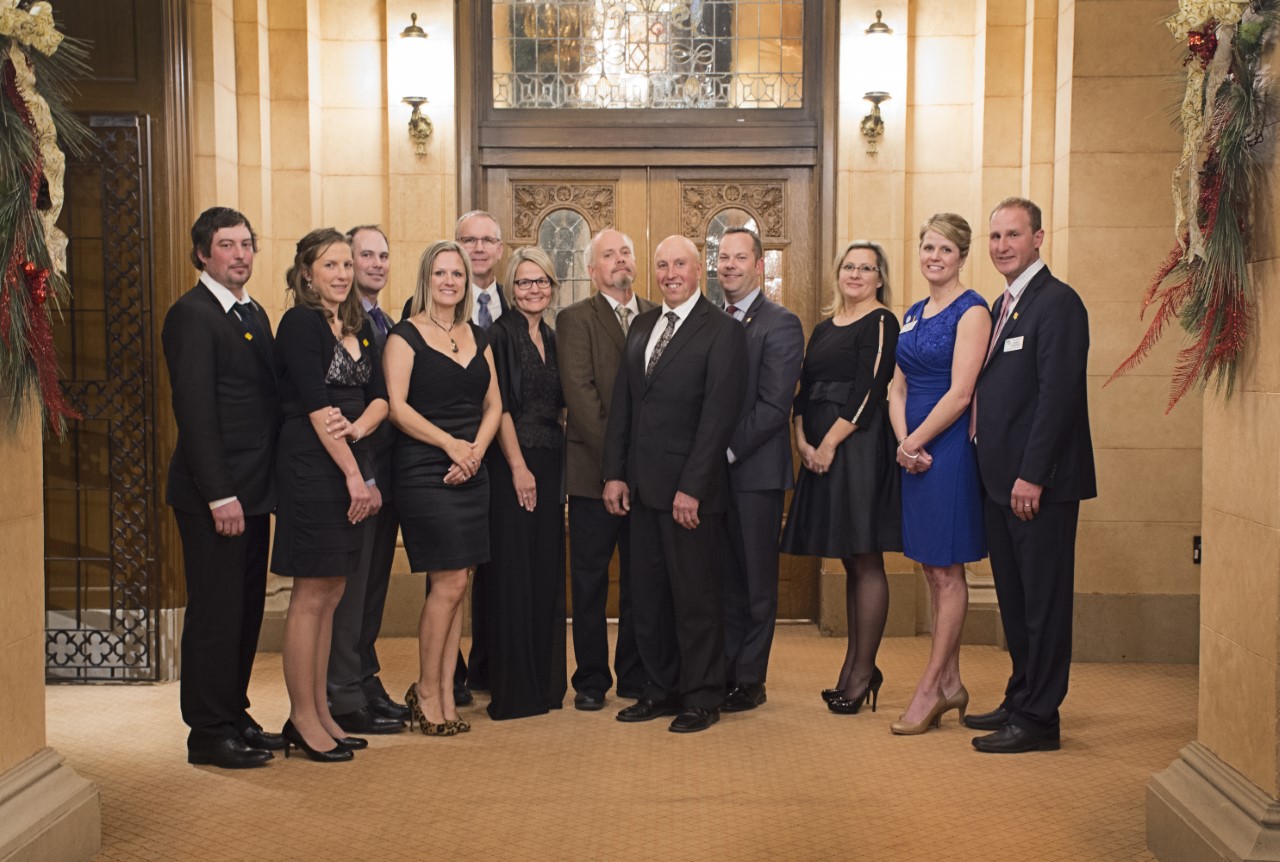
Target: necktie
[[244, 313], [1005, 307], [732, 311], [663, 339], [380, 321], [624, 317], [485, 317]]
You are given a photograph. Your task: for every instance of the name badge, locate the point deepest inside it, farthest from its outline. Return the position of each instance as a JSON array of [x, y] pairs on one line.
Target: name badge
[[1012, 344], [908, 326]]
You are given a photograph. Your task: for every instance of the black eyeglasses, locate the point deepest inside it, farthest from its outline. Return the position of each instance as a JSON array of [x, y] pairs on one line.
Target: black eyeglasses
[[527, 283]]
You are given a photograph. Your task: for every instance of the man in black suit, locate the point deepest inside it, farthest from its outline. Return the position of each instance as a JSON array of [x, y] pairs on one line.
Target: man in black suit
[[759, 465], [1031, 420], [357, 699], [675, 402], [218, 347], [590, 337]]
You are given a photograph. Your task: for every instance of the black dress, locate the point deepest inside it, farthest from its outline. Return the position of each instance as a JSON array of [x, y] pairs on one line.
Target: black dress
[[444, 526], [313, 536], [855, 507], [524, 599]]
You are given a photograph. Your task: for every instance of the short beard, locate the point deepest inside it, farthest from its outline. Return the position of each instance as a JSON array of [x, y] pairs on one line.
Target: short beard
[[623, 282]]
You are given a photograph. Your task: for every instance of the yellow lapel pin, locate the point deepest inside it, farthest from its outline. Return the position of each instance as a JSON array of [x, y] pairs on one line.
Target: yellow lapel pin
[[248, 336]]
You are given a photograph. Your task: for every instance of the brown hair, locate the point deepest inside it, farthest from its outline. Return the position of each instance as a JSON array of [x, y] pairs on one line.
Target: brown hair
[[1033, 211], [298, 279], [210, 222], [422, 300]]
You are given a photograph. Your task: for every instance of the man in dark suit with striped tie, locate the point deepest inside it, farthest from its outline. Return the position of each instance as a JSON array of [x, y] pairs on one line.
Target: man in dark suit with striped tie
[[357, 698], [218, 348]]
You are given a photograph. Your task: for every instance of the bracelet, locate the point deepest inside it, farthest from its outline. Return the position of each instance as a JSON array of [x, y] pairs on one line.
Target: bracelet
[[908, 454]]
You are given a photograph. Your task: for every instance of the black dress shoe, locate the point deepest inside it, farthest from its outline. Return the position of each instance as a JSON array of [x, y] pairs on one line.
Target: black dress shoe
[[229, 753], [384, 706], [365, 720], [647, 710], [993, 720], [588, 701], [1012, 739], [256, 737], [744, 697], [693, 719], [462, 695]]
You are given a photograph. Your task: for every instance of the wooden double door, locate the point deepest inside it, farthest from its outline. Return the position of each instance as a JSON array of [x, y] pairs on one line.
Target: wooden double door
[[560, 208]]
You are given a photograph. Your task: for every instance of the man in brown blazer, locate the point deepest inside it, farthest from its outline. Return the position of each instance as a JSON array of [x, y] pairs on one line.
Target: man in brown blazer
[[590, 336]]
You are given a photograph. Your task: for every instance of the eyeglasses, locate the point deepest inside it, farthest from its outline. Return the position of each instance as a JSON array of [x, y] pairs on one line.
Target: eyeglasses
[[529, 283], [470, 241], [863, 268]]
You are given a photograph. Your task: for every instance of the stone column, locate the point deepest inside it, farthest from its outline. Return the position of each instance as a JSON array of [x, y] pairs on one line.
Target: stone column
[[47, 811]]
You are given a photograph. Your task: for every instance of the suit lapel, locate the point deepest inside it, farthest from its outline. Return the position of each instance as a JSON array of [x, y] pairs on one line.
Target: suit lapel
[[696, 320], [607, 318], [1011, 326], [754, 309]]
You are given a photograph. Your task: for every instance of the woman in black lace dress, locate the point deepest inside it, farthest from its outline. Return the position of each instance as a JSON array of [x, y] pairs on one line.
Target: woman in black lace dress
[[330, 381], [524, 602], [444, 400]]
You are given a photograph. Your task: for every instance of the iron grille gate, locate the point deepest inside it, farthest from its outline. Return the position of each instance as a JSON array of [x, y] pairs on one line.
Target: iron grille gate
[[101, 594]]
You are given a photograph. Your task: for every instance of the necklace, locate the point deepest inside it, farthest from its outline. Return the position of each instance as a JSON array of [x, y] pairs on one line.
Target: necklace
[[448, 332]]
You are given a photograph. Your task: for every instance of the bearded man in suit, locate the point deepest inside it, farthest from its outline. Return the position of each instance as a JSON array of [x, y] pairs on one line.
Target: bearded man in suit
[[675, 404], [218, 348], [590, 336]]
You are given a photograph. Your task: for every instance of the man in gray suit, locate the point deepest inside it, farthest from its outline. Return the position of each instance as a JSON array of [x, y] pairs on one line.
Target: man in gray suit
[[760, 465], [590, 335]]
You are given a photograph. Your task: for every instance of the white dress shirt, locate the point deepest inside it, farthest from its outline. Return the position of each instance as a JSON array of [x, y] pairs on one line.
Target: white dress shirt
[[682, 312]]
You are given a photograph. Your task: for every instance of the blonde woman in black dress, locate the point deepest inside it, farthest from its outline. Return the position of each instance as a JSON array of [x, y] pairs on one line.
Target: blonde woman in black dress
[[444, 399], [846, 502]]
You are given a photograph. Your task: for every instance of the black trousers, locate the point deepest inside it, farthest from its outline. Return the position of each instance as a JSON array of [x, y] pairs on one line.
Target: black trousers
[[353, 660], [226, 587], [1034, 567], [678, 607], [593, 534], [751, 584]]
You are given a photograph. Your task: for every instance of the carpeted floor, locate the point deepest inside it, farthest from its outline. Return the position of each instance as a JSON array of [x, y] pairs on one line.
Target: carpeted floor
[[788, 781]]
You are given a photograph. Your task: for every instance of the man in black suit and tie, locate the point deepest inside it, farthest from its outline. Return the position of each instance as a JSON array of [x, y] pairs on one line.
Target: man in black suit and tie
[[1031, 420], [590, 337], [677, 397], [759, 465], [358, 701], [218, 347]]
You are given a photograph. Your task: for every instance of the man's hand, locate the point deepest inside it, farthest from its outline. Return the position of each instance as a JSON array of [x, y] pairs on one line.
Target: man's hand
[[228, 519], [1025, 499], [685, 510], [617, 498]]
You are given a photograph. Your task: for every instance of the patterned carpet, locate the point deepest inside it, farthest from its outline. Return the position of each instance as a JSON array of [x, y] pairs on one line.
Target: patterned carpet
[[788, 781]]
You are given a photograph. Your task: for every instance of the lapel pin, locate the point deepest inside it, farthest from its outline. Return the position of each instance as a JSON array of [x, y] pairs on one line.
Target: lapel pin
[[1015, 315], [248, 336], [365, 342]]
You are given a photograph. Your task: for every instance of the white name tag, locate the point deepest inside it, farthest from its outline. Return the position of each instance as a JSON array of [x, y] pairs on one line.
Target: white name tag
[[1012, 344], [908, 326]]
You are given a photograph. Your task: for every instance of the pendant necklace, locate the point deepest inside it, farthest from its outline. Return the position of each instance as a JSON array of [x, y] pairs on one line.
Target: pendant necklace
[[448, 332]]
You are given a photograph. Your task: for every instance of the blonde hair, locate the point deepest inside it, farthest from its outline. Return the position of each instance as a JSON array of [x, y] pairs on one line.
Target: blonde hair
[[882, 262], [422, 300], [529, 254], [953, 227], [298, 280]]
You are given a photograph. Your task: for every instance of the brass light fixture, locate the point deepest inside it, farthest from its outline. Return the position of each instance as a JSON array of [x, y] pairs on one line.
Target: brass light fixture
[[876, 45], [415, 54]]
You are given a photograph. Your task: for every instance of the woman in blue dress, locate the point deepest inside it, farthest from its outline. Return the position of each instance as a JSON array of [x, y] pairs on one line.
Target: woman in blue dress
[[940, 351]]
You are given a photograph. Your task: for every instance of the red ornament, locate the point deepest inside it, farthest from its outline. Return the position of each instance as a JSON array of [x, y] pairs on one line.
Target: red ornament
[[1203, 43], [37, 281]]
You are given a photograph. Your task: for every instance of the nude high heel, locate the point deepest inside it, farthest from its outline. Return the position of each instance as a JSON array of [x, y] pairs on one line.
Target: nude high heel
[[959, 701], [932, 719]]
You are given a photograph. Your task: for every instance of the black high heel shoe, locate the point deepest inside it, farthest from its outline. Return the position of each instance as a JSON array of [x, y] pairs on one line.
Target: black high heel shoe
[[337, 754], [352, 743], [851, 705]]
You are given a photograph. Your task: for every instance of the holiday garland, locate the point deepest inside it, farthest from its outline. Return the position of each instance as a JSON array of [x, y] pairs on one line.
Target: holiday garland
[[1204, 282], [37, 66]]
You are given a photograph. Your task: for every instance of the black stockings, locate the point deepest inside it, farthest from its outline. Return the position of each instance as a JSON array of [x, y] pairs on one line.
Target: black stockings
[[867, 604]]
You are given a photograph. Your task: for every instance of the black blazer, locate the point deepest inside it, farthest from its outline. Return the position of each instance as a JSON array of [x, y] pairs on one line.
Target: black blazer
[[761, 443], [225, 404], [502, 303], [669, 433], [1032, 402], [503, 337]]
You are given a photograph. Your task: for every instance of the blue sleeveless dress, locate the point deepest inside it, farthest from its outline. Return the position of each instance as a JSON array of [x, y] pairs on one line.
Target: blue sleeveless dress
[[941, 507]]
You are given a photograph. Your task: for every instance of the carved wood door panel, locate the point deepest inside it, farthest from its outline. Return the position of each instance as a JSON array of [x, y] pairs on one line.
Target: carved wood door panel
[[559, 209]]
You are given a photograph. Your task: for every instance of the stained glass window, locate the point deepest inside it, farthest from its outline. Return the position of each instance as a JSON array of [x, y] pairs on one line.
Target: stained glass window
[[598, 54], [564, 235]]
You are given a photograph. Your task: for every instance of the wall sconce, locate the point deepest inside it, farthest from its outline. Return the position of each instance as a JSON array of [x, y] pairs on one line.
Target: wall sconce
[[415, 55], [877, 58]]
